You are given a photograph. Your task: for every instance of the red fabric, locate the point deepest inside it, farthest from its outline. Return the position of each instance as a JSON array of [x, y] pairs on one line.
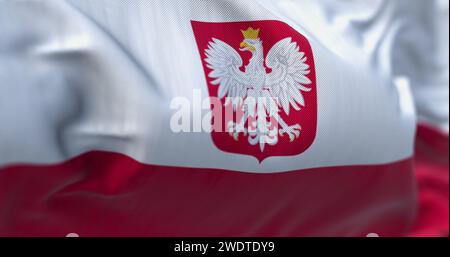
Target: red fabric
[[432, 172], [106, 194]]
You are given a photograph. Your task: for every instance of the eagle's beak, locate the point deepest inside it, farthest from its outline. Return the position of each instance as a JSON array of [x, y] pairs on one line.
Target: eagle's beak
[[245, 46]]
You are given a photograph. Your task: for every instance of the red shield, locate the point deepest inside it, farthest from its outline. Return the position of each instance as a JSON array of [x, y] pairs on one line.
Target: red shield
[[267, 33]]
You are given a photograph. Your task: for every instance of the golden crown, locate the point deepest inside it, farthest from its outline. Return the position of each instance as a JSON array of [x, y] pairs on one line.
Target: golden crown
[[250, 33]]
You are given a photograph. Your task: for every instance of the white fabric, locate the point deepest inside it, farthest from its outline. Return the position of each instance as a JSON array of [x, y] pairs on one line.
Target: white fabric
[[409, 39], [85, 75]]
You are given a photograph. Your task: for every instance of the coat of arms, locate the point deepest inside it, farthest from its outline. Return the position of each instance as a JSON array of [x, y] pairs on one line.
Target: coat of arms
[[266, 76]]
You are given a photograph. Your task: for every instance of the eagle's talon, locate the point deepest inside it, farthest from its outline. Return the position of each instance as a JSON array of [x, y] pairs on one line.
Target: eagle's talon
[[292, 131]]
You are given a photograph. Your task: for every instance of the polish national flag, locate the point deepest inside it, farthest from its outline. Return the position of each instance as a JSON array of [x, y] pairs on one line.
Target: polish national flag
[[221, 118]]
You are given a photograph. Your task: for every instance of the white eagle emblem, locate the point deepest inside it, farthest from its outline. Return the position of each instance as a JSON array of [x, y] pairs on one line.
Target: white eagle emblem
[[281, 88]]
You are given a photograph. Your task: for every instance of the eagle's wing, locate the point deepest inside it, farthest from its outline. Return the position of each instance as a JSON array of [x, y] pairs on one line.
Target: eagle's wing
[[288, 77], [224, 62]]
